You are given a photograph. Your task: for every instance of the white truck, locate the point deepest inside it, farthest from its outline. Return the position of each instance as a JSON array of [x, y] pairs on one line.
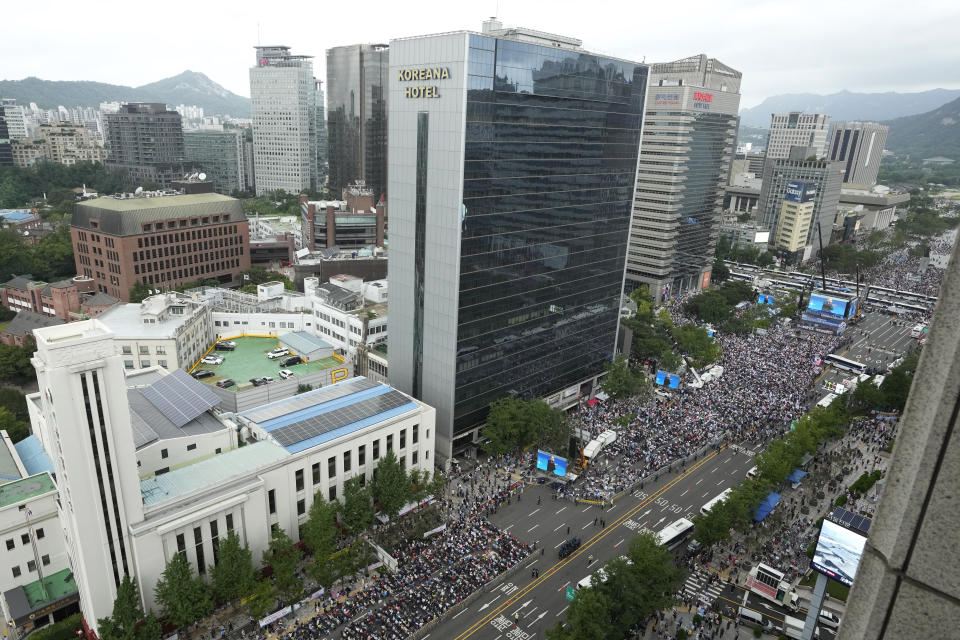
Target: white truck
[[793, 628]]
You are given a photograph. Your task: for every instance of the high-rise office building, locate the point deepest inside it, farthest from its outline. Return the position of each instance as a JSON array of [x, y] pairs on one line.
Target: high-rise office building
[[283, 102], [357, 116], [147, 140], [6, 150], [320, 120], [859, 146], [220, 155], [797, 129], [511, 176], [823, 176], [689, 135], [15, 117]]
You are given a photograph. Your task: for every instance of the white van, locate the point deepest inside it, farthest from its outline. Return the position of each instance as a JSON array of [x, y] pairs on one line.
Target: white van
[[751, 616], [752, 472]]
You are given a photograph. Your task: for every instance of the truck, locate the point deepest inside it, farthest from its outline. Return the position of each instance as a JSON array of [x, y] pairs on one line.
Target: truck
[[793, 628]]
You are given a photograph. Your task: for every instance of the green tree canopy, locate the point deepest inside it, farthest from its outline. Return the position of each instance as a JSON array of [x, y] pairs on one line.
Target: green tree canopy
[[139, 291], [549, 426], [283, 557], [16, 429], [391, 485], [182, 596], [233, 577], [621, 381], [122, 624], [507, 428], [357, 509], [697, 343], [320, 533]]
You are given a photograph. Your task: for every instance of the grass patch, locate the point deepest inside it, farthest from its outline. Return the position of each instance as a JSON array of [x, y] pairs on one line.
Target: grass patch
[[834, 588]]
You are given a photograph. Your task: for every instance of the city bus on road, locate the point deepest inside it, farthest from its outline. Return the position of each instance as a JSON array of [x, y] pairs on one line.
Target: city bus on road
[[705, 509], [674, 534], [839, 362], [917, 331]]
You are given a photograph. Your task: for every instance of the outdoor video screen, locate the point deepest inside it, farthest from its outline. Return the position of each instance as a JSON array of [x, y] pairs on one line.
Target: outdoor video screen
[[764, 299], [852, 311], [551, 463], [668, 379], [826, 305], [838, 552]]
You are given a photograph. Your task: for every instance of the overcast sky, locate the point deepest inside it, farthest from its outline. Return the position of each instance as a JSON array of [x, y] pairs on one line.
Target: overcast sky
[[816, 46]]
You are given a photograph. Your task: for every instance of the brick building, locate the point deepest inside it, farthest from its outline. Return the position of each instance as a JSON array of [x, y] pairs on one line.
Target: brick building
[[162, 241], [23, 325], [73, 299]]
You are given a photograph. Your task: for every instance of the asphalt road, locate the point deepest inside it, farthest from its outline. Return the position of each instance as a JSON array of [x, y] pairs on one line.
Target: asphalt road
[[884, 343], [734, 596], [541, 601]]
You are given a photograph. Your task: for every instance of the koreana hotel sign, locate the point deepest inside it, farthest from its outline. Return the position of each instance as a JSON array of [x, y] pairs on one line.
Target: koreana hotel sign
[[421, 75]]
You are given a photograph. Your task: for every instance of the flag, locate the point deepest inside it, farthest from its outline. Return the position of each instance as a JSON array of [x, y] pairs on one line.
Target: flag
[[246, 276]]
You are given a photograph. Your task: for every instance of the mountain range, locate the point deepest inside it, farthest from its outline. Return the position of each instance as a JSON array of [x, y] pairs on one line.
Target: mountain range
[[189, 87], [935, 133], [847, 105]]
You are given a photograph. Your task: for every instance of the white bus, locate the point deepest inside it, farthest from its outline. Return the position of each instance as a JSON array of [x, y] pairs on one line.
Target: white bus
[[705, 509], [917, 331], [839, 362], [673, 535]]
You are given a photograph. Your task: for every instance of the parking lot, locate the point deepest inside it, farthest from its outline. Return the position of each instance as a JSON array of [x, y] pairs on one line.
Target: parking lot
[[878, 340], [249, 360]]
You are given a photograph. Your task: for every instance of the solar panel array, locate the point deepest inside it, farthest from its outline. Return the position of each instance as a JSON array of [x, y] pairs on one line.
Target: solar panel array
[[302, 402], [180, 398], [851, 520], [318, 425]]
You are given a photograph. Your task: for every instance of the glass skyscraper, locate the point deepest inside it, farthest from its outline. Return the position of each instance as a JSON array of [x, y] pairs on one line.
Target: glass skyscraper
[[512, 163], [357, 116]]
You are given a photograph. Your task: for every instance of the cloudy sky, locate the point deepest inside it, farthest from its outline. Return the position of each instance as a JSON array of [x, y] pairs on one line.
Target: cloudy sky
[[816, 46]]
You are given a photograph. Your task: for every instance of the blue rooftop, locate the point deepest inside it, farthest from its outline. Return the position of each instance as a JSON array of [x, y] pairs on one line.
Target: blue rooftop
[[35, 460], [210, 472], [319, 416], [15, 214]]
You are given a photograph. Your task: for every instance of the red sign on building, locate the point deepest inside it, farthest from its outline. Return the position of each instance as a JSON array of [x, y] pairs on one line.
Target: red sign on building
[[700, 96]]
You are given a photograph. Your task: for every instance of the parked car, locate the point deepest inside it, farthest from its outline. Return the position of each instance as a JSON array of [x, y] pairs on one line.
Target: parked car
[[278, 353], [258, 382], [203, 373], [829, 619], [292, 360], [285, 373], [226, 382], [212, 360], [226, 345]]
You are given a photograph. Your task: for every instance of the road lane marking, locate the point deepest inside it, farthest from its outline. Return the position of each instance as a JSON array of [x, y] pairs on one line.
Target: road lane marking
[[560, 612], [533, 512], [558, 545], [585, 526], [560, 527], [685, 493], [564, 586], [619, 543], [714, 469], [558, 512], [532, 528], [508, 528], [585, 510], [705, 495], [699, 481], [462, 611]]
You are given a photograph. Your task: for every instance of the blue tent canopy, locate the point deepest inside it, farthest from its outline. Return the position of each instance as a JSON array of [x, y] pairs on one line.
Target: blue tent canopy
[[796, 476], [765, 507]]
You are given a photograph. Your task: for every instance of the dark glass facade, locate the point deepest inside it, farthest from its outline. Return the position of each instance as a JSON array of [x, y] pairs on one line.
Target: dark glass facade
[[552, 138], [357, 78]]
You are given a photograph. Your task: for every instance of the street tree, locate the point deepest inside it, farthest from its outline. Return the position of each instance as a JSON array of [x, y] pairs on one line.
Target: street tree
[[127, 612], [357, 509], [182, 596], [621, 381], [139, 291], [548, 425], [233, 576], [696, 343], [283, 557], [261, 600], [16, 429], [507, 429], [391, 486]]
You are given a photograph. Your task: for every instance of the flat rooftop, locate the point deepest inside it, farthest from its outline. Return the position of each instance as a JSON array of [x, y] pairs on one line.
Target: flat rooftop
[[249, 360], [125, 322], [26, 489], [309, 419], [210, 472], [34, 596]]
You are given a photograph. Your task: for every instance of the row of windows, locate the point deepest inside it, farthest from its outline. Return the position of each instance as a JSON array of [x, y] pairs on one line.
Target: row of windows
[[181, 236], [24, 539], [31, 565], [185, 248]]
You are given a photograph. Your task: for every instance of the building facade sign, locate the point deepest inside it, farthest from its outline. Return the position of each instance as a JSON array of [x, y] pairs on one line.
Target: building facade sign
[[798, 191], [419, 75]]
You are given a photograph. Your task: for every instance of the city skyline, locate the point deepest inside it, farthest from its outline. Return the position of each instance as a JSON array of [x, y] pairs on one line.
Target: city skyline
[[821, 60]]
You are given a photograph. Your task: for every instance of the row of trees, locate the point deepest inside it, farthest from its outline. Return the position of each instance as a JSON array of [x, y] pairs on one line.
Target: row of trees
[[49, 260], [892, 393], [718, 303], [20, 186], [725, 250], [773, 467], [333, 535], [514, 423], [636, 585]]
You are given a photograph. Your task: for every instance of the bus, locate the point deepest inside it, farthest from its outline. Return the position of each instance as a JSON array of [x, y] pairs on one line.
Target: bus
[[673, 535], [839, 362], [723, 496], [917, 331], [767, 582], [600, 575]]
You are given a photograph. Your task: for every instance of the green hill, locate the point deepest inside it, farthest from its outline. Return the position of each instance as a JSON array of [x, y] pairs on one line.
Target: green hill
[[935, 133]]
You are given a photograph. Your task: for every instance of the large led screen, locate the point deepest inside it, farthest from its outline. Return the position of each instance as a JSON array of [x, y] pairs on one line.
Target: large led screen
[[838, 552], [551, 463], [826, 305]]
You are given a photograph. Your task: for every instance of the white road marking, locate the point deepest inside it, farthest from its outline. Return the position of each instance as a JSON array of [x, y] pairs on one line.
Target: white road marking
[[705, 495], [558, 612], [558, 512], [564, 586], [714, 469], [585, 526], [560, 527], [561, 542], [585, 510], [533, 512], [462, 611], [619, 543], [508, 528], [532, 528], [699, 481]]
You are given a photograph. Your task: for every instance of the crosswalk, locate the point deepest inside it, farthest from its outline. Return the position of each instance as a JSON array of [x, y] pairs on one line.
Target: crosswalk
[[696, 587]]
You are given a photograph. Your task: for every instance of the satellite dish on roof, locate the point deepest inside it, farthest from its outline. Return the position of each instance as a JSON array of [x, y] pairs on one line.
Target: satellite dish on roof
[[202, 176], [138, 191]]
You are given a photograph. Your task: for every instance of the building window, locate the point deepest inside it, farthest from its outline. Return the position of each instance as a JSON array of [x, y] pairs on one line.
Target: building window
[[390, 442], [10, 544], [40, 534], [299, 479], [31, 565], [126, 350], [333, 492], [316, 472], [198, 541], [160, 472], [413, 458], [191, 447], [229, 522], [128, 364], [144, 351], [272, 501], [161, 351], [301, 507], [217, 450], [416, 435], [16, 572], [163, 453], [376, 449], [45, 560], [162, 363], [362, 455], [331, 466], [403, 438], [144, 364], [181, 543], [346, 461], [215, 541], [25, 538]]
